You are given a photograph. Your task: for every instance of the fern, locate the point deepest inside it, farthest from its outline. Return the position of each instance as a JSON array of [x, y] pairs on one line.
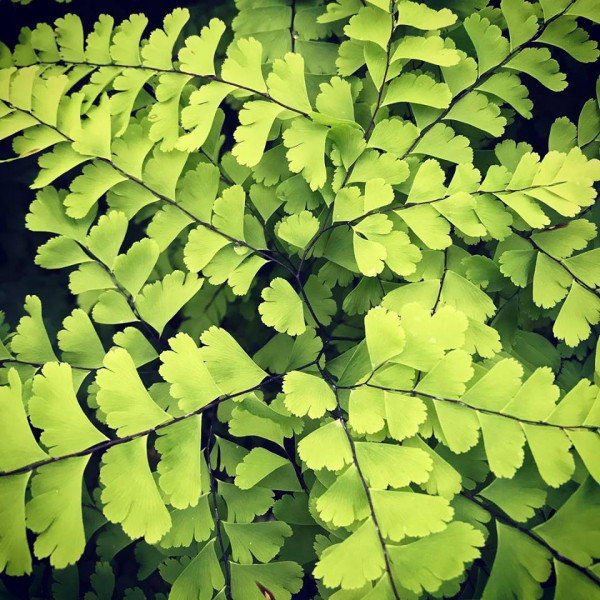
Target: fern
[[335, 330]]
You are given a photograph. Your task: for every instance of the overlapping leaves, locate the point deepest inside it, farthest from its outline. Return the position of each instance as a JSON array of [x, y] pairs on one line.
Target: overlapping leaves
[[394, 269]]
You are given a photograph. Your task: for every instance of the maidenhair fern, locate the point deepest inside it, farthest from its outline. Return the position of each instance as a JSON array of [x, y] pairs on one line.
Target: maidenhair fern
[[335, 329]]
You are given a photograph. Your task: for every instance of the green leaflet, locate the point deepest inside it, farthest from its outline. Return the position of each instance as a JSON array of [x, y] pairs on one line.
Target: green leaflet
[[307, 395], [184, 359], [282, 578], [379, 325], [305, 141], [282, 308], [54, 512], [298, 230], [16, 556], [18, 435], [257, 119], [53, 405], [192, 523], [414, 578], [181, 465], [122, 397], [160, 301], [526, 562], [231, 368], [343, 565], [200, 576], [264, 468], [198, 54], [330, 327], [31, 342], [79, 341], [275, 422], [395, 510], [583, 551], [261, 540]]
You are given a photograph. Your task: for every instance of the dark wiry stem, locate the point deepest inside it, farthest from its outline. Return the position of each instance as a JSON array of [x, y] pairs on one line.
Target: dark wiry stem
[[174, 71], [499, 515], [367, 135], [386, 557], [123, 440], [442, 279], [38, 365], [195, 219], [158, 195], [388, 52], [486, 411], [558, 261], [405, 205], [115, 442], [224, 177], [215, 498], [293, 34], [483, 78], [126, 295], [289, 449]]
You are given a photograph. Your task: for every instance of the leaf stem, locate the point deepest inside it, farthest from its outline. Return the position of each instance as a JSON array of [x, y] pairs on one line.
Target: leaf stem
[[486, 411], [483, 78], [126, 295], [264, 254], [173, 71], [292, 31], [560, 262], [115, 442], [215, 497], [499, 515], [386, 557]]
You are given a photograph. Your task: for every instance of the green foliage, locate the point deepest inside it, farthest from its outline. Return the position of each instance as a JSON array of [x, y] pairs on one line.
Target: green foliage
[[336, 331]]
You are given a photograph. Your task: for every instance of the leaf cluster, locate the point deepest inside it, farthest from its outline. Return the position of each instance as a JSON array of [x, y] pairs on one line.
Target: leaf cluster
[[336, 331]]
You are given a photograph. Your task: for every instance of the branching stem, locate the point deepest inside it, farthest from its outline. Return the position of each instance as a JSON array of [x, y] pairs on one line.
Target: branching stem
[[499, 515], [482, 78], [486, 411], [123, 440]]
